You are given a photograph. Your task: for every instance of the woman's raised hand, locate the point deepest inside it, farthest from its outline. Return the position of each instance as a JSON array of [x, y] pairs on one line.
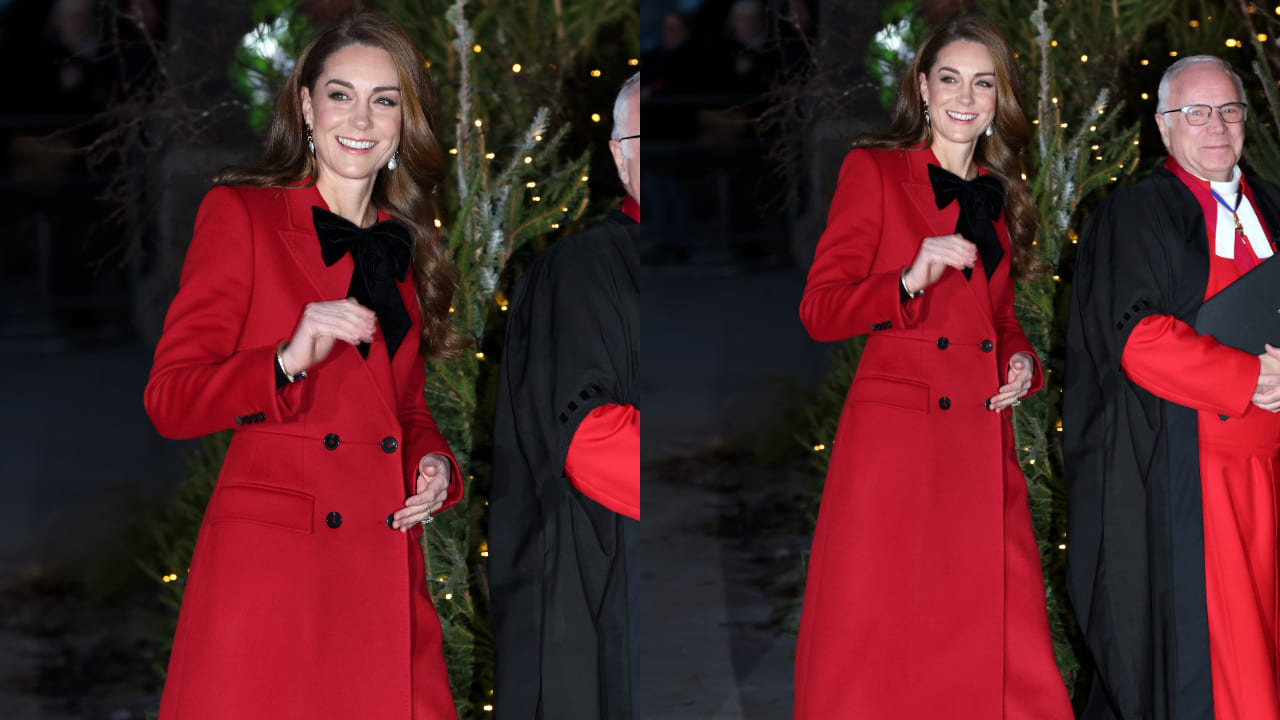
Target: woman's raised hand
[[322, 324], [935, 255]]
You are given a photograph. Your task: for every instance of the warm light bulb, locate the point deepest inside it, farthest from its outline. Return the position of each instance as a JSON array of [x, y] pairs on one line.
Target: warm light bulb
[[437, 222], [476, 47], [595, 117], [531, 184], [1084, 58], [488, 156], [479, 356], [595, 73], [585, 178], [636, 61], [479, 123], [453, 151], [515, 68], [527, 159]]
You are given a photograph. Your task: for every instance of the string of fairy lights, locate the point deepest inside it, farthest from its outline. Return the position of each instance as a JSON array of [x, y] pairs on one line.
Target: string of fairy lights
[[595, 117]]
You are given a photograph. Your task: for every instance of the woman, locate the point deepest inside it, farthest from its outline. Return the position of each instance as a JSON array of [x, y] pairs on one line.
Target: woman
[[296, 325], [925, 597]]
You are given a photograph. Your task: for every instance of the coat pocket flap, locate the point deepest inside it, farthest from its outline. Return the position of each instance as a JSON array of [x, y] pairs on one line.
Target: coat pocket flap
[[893, 391], [264, 505]]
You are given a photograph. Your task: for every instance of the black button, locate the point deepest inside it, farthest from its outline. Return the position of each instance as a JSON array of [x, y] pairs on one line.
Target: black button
[[943, 343], [389, 444], [987, 346], [987, 403], [262, 417], [333, 520], [944, 403], [239, 419], [391, 517], [887, 324], [331, 441]]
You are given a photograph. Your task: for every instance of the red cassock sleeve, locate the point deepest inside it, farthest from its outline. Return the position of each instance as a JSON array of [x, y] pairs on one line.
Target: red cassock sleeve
[[1169, 359], [604, 458]]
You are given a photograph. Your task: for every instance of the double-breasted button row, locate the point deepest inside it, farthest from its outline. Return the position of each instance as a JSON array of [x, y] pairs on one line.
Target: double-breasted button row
[[986, 345], [250, 419], [882, 325], [389, 444]]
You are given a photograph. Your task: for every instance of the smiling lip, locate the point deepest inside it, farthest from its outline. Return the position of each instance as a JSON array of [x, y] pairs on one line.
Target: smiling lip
[[962, 117], [354, 145]]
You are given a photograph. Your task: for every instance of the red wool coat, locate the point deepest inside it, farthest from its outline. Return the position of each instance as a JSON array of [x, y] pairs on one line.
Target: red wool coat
[[924, 596], [301, 602]]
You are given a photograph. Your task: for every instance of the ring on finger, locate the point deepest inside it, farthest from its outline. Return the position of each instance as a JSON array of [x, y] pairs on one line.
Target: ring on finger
[[426, 520]]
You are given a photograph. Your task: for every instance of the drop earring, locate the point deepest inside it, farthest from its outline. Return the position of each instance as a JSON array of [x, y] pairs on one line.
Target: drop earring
[[991, 129], [311, 144], [926, 115], [392, 164]]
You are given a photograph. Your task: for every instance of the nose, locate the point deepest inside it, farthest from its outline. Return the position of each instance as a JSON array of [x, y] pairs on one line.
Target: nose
[[360, 115]]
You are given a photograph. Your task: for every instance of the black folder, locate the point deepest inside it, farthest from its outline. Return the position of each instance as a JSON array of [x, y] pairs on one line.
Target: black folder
[[1246, 313]]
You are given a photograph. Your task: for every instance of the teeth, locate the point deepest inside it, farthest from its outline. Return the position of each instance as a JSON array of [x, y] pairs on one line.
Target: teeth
[[962, 116], [356, 145]]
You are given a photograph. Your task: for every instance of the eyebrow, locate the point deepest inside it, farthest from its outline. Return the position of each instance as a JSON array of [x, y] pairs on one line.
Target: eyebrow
[[951, 69], [349, 86]]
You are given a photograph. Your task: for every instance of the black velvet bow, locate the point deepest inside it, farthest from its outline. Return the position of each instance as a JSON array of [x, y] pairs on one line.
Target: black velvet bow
[[382, 253], [981, 200]]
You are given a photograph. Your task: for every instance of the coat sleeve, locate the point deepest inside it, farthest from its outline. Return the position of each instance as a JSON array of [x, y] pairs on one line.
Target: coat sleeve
[[1012, 340], [843, 298], [422, 435], [603, 461], [1169, 359], [201, 380]]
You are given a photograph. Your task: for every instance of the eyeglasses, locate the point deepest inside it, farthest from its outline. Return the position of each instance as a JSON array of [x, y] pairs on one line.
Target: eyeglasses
[[1233, 112], [629, 137]]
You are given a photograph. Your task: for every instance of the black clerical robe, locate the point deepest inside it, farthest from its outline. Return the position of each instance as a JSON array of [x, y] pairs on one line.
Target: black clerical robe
[[1135, 557], [558, 560]]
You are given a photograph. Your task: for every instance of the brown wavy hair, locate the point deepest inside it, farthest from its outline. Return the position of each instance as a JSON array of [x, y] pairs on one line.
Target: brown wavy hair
[[1001, 153], [406, 193]]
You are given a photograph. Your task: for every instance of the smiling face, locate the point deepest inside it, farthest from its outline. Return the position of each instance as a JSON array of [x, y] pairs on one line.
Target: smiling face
[[1211, 150], [960, 93], [354, 114]]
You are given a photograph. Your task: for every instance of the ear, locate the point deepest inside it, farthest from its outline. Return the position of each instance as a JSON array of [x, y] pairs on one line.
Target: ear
[[924, 89], [620, 161], [1161, 123], [308, 114]]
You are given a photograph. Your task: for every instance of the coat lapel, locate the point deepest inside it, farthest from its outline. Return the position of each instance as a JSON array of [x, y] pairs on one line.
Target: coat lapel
[[943, 222], [298, 236]]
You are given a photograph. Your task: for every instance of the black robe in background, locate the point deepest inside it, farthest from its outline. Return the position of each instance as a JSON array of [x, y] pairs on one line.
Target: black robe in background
[[558, 561], [1135, 534]]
